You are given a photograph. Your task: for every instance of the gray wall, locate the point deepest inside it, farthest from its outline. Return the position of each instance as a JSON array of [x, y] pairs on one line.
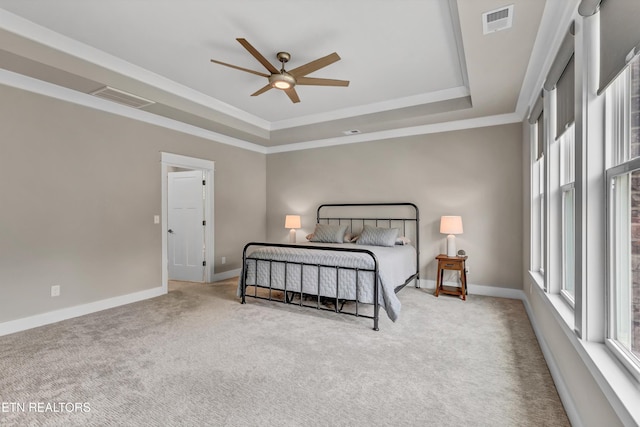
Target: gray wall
[[473, 173], [79, 191]]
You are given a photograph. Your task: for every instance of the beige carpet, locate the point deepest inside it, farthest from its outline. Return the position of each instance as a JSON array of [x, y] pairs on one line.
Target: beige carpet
[[197, 357]]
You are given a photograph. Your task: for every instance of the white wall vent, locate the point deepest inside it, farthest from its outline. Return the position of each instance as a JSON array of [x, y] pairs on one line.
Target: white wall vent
[[121, 97], [498, 19]]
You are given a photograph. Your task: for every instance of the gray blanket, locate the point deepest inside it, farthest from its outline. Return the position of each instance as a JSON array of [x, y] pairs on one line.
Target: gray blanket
[[395, 265]]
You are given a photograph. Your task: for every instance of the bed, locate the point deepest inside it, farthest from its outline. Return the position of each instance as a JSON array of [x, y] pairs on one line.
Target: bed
[[359, 257]]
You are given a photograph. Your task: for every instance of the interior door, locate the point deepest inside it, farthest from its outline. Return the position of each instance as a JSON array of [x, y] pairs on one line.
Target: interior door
[[185, 218]]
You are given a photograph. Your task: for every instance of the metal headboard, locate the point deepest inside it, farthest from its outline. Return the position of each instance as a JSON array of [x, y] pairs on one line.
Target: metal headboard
[[379, 221]]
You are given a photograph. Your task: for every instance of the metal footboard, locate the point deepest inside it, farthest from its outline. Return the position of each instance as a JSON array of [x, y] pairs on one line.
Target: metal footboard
[[408, 221], [288, 294]]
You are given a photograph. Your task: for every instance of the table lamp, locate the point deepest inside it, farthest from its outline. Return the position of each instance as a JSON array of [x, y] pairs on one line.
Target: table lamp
[[292, 222], [451, 225]]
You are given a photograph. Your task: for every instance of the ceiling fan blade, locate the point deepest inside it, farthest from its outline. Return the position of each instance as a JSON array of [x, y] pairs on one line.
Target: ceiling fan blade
[[293, 95], [312, 66], [310, 81], [262, 90], [253, 51], [240, 68]]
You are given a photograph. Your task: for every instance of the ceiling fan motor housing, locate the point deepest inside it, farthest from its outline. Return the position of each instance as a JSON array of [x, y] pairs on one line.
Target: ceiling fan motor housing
[[282, 80]]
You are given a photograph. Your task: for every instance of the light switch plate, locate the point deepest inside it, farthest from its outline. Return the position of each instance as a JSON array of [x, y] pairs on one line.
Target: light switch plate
[[156, 219]]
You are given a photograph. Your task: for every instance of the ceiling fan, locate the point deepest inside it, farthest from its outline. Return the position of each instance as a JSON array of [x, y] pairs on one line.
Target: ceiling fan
[[287, 80]]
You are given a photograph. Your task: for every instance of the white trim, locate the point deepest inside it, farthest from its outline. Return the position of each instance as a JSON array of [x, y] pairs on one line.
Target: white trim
[[227, 275], [376, 107], [488, 291], [37, 320], [19, 81], [208, 167], [479, 122], [555, 21], [31, 31]]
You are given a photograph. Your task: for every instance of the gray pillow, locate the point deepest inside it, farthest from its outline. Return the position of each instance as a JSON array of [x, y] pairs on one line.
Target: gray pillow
[[375, 236], [329, 233]]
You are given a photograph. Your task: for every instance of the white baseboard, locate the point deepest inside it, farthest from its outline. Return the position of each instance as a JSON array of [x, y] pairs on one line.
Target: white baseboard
[[488, 291], [30, 322], [226, 275]]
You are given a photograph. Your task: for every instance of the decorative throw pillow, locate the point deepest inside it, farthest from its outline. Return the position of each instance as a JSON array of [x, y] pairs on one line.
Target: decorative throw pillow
[[350, 237], [401, 240], [376, 236], [329, 233]]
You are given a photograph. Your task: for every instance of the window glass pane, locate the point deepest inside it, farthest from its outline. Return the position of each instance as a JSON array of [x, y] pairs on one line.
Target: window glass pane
[[567, 156], [568, 243], [540, 164], [626, 263], [634, 136]]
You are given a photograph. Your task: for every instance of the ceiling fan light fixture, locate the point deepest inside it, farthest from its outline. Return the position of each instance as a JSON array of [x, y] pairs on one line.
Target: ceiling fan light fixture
[[282, 85], [282, 81]]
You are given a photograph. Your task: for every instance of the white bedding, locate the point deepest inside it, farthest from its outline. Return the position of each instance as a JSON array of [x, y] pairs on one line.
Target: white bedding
[[395, 265]]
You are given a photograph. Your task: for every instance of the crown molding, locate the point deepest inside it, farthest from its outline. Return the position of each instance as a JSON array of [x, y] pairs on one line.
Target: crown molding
[[556, 18], [38, 34], [377, 107], [478, 122], [19, 81]]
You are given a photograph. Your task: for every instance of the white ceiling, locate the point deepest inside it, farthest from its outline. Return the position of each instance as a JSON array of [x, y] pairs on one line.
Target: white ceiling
[[410, 62]]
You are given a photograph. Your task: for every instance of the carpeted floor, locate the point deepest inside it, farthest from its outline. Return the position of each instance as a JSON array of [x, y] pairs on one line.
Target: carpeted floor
[[197, 357]]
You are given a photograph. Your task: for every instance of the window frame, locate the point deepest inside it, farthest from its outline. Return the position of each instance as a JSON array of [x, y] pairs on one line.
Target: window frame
[[618, 122], [567, 185], [631, 362]]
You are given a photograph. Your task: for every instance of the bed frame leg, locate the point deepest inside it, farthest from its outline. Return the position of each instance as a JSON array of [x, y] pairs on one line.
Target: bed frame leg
[[376, 312]]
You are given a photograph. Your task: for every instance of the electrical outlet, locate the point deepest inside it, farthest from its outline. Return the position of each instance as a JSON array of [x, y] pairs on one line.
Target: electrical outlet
[[55, 290], [224, 259]]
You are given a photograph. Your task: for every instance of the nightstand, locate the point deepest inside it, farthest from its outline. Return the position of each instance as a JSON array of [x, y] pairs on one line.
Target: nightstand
[[455, 263]]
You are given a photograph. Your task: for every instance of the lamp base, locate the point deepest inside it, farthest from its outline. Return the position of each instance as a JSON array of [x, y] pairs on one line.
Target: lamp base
[[292, 235], [451, 245]]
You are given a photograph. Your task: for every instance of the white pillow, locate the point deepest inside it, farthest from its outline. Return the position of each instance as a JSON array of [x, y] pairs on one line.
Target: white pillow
[[376, 236], [348, 237], [329, 233]]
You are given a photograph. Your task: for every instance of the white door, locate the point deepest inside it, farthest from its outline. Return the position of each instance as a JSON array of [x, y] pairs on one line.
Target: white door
[[186, 226]]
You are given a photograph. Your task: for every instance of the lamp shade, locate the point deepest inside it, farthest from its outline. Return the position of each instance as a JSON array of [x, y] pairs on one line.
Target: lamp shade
[[292, 221], [451, 225]]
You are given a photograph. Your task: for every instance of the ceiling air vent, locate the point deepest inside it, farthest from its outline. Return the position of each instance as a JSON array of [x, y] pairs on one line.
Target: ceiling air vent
[[496, 20], [121, 97]]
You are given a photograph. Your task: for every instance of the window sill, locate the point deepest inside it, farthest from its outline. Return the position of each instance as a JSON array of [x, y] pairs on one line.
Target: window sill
[[619, 387]]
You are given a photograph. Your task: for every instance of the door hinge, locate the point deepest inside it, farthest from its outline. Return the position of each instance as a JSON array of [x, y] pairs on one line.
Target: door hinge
[[204, 263], [204, 222], [204, 182]]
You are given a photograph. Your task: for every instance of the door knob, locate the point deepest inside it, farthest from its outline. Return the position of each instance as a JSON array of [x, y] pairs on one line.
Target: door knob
[[170, 231]]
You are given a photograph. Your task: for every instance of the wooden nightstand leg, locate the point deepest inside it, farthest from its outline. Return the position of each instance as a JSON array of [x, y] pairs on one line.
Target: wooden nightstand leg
[[439, 281], [463, 281]]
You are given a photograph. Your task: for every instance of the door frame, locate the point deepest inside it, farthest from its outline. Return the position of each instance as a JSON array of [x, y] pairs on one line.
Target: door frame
[[208, 168]]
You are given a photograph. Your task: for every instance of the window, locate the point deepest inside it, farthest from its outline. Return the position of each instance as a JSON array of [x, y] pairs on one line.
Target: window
[[567, 178], [537, 192], [623, 177]]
